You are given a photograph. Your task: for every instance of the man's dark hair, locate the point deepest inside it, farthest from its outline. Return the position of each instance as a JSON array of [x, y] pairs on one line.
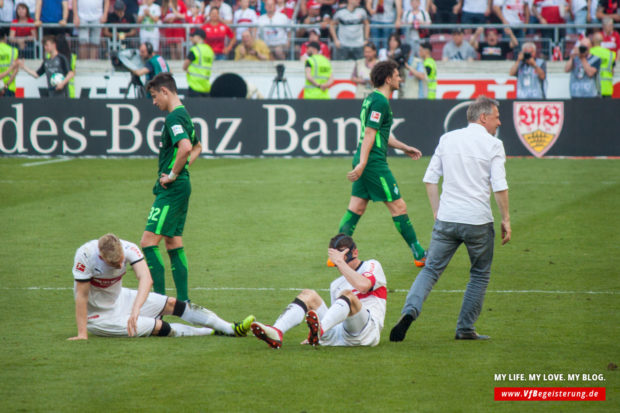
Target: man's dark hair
[[49, 38], [163, 79], [315, 45], [381, 71], [341, 242]]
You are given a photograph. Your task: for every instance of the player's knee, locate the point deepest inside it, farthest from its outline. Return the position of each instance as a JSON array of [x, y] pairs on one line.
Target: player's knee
[[169, 308], [147, 240], [311, 298], [355, 305], [162, 329], [397, 208]]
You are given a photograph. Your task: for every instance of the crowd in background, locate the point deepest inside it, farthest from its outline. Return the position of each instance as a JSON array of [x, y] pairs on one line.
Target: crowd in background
[[364, 31], [343, 26]]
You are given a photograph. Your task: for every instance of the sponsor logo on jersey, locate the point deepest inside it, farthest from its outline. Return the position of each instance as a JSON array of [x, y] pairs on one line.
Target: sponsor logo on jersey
[[80, 267], [538, 124], [177, 129], [375, 116], [105, 282]]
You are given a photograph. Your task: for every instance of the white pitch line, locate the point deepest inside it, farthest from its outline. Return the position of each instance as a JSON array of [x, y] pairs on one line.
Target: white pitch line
[[46, 162], [325, 289]]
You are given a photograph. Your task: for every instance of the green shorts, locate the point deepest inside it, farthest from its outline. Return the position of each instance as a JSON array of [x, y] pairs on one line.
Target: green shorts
[[168, 213], [376, 183]]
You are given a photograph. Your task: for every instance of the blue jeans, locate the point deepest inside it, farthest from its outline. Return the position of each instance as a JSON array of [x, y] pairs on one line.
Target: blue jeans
[[473, 18], [379, 35], [445, 240], [581, 17]]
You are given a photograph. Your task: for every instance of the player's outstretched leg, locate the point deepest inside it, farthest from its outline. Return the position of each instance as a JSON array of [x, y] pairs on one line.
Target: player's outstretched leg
[[156, 267], [268, 334], [314, 325], [201, 316]]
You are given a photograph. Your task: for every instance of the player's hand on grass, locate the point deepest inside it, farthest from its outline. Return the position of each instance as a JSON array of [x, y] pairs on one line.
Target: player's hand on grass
[[78, 337], [506, 232], [413, 153], [132, 323], [356, 173]]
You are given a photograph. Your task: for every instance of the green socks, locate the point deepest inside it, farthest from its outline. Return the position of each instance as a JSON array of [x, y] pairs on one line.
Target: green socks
[[349, 222], [156, 266], [178, 261], [404, 226]]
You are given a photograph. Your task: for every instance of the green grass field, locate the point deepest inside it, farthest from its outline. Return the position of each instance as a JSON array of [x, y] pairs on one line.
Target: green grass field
[[257, 232]]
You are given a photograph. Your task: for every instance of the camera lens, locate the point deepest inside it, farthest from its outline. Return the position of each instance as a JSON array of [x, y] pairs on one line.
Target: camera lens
[[583, 49]]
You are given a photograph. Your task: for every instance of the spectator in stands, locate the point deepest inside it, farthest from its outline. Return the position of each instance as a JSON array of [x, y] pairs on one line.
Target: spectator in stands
[[592, 9], [173, 12], [578, 15], [276, 38], [584, 70], [384, 12], [216, 33], [457, 49], [149, 13], [55, 66], [225, 11], [287, 7], [119, 16], [421, 80], [548, 12], [131, 8], [492, 48], [608, 61], [361, 71], [153, 63], [473, 11], [23, 37], [353, 29], [611, 38], [531, 73], [394, 50], [608, 8], [51, 11], [414, 19], [194, 16], [513, 13], [444, 11], [313, 36], [251, 48], [245, 16], [316, 14], [6, 11], [87, 12]]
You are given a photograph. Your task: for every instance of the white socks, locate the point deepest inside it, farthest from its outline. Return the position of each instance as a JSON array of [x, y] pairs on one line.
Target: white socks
[[182, 330], [199, 315], [336, 314], [292, 316]]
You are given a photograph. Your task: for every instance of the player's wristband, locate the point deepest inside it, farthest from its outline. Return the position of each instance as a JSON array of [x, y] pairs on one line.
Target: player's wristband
[[172, 176]]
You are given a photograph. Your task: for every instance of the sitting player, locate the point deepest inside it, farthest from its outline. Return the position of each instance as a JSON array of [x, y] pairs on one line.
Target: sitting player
[[358, 299], [104, 308]]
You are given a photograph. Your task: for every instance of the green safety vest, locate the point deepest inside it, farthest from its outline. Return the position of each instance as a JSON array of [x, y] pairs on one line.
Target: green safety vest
[[199, 70], [71, 85], [321, 72], [7, 55], [608, 58], [432, 77], [159, 65]]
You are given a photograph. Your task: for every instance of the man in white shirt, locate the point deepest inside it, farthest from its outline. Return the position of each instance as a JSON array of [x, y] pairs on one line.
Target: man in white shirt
[[245, 16], [87, 12], [226, 12], [471, 161], [358, 299], [104, 308], [276, 38]]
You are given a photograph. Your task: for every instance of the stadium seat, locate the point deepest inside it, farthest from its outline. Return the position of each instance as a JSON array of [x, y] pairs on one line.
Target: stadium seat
[[438, 41]]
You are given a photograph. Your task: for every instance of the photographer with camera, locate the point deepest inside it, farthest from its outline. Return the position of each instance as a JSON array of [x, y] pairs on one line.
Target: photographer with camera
[[584, 69], [531, 73]]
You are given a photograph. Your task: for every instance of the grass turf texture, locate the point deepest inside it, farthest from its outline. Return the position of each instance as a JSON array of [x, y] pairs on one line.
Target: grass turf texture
[[259, 223]]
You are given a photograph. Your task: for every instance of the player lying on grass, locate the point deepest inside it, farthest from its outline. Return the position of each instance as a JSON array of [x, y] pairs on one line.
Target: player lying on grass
[[104, 308], [358, 300]]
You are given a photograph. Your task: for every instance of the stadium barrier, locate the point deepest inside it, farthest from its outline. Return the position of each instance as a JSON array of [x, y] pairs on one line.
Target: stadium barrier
[[283, 128]]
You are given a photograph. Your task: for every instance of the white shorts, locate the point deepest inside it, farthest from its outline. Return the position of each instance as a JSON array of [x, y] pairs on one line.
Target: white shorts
[[88, 35], [361, 329], [113, 323]]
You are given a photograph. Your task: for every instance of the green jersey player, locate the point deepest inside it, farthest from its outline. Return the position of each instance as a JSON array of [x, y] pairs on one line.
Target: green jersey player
[[371, 176], [178, 149]]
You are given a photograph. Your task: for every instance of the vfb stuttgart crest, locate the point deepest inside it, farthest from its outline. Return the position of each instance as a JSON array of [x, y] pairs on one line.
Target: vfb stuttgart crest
[[538, 124]]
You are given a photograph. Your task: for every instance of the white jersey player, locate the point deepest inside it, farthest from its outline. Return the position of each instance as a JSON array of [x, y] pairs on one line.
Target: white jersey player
[[358, 299], [104, 308]]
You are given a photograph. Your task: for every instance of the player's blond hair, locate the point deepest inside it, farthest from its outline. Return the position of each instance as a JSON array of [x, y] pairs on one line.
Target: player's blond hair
[[110, 248]]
